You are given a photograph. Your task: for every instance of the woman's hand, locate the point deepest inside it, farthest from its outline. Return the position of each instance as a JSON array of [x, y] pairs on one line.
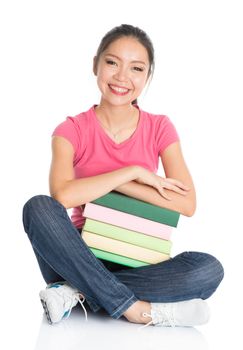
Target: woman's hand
[[146, 177]]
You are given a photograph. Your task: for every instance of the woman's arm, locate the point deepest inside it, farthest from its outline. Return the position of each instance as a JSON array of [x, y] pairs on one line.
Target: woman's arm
[[175, 168], [72, 192]]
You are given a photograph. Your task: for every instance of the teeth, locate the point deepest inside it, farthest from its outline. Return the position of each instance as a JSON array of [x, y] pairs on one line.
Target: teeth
[[118, 89]]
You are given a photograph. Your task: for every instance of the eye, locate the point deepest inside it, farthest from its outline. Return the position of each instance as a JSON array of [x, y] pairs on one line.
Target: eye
[[111, 62], [138, 69]]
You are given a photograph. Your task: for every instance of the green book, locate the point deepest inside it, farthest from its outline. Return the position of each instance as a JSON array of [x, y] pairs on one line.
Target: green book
[[122, 234], [133, 206], [119, 259]]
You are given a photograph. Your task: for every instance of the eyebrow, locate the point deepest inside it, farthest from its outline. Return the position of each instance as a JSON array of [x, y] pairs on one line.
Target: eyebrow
[[136, 61]]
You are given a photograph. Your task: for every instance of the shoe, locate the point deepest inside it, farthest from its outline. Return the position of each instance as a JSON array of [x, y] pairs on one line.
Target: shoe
[[187, 313], [58, 299]]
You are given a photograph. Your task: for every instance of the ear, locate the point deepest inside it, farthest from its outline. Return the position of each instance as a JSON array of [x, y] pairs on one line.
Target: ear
[[95, 65]]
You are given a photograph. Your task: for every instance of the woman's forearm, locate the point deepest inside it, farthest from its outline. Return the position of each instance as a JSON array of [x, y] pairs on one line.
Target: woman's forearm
[[80, 191], [185, 205]]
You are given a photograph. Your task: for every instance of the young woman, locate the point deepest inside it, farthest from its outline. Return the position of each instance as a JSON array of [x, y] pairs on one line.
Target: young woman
[[116, 146]]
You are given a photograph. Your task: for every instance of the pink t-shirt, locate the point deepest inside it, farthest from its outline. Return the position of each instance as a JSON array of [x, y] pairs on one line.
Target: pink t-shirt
[[96, 153]]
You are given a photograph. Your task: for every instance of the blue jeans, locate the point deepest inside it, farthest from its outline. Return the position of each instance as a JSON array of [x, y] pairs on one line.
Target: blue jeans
[[63, 255]]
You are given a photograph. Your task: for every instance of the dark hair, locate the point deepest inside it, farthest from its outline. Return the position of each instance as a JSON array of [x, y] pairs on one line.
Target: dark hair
[[127, 30]]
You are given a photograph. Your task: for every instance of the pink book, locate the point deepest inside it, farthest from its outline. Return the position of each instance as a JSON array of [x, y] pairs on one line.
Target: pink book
[[128, 221]]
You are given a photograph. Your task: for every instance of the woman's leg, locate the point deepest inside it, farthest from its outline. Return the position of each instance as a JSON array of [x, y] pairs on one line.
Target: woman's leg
[[187, 276], [57, 243], [49, 275]]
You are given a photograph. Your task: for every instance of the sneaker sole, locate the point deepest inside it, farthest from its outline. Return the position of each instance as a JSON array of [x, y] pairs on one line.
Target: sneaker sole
[[46, 311]]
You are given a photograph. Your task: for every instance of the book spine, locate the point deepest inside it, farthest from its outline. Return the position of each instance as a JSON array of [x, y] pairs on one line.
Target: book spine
[[139, 208], [128, 221], [122, 248], [119, 259], [121, 234]]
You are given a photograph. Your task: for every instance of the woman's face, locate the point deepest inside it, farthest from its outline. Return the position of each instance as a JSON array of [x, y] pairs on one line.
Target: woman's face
[[122, 71]]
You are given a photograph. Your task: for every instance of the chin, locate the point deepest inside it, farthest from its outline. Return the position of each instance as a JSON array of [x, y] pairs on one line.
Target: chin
[[117, 103]]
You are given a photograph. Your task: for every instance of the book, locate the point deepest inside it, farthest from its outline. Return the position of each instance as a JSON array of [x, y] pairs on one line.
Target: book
[[122, 234], [126, 204], [119, 259], [128, 221], [122, 248]]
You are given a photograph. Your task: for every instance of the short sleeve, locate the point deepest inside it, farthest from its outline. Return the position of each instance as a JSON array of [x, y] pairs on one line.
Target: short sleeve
[[166, 134], [70, 131]]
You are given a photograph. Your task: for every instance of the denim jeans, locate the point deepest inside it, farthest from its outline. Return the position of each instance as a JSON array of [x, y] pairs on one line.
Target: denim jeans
[[62, 254]]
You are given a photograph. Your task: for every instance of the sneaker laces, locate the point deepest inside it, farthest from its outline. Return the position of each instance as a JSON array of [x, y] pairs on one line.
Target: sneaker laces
[[76, 297], [161, 316]]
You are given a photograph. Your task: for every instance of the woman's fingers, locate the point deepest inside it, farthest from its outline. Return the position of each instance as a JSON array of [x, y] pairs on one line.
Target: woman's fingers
[[174, 188], [160, 184], [172, 185], [177, 183], [163, 194]]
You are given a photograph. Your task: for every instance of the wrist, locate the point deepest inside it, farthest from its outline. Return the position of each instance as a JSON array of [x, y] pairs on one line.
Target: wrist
[[136, 171]]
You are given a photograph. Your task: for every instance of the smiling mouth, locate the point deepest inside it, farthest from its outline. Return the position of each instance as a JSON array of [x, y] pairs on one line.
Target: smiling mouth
[[118, 90]]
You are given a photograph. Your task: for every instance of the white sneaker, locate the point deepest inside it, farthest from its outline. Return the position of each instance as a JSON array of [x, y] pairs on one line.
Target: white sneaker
[[187, 313], [58, 299]]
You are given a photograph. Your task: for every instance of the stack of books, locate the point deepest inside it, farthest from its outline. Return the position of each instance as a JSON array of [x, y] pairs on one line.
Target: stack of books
[[128, 231]]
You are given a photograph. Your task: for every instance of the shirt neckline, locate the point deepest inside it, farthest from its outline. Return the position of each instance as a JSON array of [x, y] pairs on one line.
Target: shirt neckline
[[108, 138]]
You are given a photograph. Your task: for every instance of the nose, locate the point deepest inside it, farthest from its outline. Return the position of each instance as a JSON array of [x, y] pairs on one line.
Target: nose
[[121, 74]]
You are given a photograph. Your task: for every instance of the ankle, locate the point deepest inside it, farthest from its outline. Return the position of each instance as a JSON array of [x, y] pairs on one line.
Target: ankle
[[135, 312]]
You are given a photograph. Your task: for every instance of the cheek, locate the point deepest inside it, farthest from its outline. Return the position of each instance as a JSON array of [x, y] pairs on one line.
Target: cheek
[[103, 78], [140, 82]]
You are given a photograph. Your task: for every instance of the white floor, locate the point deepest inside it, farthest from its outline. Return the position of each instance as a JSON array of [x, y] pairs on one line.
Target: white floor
[[103, 332]]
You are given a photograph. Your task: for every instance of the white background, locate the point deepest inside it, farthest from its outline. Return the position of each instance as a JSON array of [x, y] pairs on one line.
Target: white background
[[46, 56]]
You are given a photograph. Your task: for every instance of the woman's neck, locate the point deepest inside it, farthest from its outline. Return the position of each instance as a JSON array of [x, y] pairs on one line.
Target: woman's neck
[[116, 116]]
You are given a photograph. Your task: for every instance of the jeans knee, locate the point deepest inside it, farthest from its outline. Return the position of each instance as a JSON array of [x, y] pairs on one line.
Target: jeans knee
[[208, 274], [204, 272], [218, 271], [36, 205], [35, 202], [213, 269]]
